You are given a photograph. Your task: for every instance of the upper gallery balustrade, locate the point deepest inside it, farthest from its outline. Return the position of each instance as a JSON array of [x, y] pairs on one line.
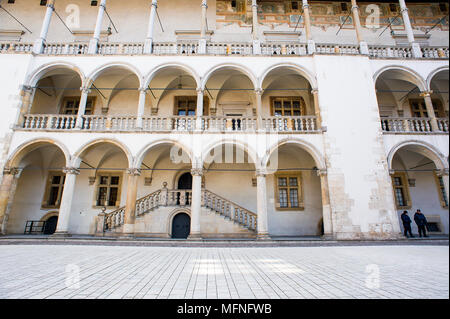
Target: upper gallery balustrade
[[225, 27]]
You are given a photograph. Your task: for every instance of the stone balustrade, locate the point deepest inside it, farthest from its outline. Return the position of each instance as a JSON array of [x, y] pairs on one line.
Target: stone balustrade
[[291, 124], [220, 48], [229, 123], [443, 124], [411, 125]]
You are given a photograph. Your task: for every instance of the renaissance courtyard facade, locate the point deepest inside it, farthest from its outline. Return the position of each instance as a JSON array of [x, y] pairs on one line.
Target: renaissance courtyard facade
[[223, 119]]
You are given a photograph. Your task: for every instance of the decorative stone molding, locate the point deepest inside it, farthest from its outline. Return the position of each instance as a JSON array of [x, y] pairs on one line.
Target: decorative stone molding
[[261, 173], [134, 171], [443, 172], [426, 93], [71, 170], [321, 172], [11, 171], [148, 181], [92, 180], [259, 91], [85, 90]]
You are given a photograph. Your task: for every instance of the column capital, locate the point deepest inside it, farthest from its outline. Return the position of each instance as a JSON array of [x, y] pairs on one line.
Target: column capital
[[392, 172], [134, 171], [314, 91], [85, 90], [261, 173], [322, 172], [155, 3], [197, 171], [259, 91], [142, 90], [404, 9], [11, 171], [442, 172], [204, 3], [305, 6], [27, 88], [71, 170], [426, 93], [200, 91]]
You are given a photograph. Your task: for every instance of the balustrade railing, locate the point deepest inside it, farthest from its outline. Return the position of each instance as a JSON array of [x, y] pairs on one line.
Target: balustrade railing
[[169, 123], [229, 210], [384, 51], [49, 122], [443, 124], [291, 124], [435, 52], [108, 123], [164, 48], [15, 47], [148, 203], [337, 49], [284, 49], [406, 124], [229, 123], [66, 48], [121, 48]]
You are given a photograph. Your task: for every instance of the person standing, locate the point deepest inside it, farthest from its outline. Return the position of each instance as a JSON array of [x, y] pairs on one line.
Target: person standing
[[421, 222], [406, 224]]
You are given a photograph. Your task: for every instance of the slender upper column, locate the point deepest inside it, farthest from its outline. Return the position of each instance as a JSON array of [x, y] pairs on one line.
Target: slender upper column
[[259, 123], [430, 110], [148, 45], [255, 33], [141, 107], [306, 16], [66, 201], [315, 94], [416, 51], [202, 42], [199, 112], [93, 44], [196, 204], [39, 43], [130, 207], [261, 200], [9, 175], [82, 107], [364, 49], [326, 207]]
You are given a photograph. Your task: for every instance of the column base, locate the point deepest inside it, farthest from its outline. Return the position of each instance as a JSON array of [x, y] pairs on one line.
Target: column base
[[93, 46], [148, 46], [196, 236], [38, 46], [311, 46], [62, 234], [202, 46], [363, 48], [263, 236], [416, 51], [256, 47], [327, 237]]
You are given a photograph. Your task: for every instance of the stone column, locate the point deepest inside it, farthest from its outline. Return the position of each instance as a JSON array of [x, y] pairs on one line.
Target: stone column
[[259, 121], [444, 174], [196, 203], [199, 112], [261, 200], [326, 207], [255, 33], [62, 230], [6, 187], [26, 93], [148, 45], [141, 107], [310, 42], [82, 107], [202, 42], [93, 43], [38, 47], [315, 94], [416, 51], [430, 110], [363, 48], [130, 207]]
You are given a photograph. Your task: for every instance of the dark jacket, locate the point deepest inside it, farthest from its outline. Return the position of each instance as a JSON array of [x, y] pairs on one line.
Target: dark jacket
[[420, 219], [406, 220]]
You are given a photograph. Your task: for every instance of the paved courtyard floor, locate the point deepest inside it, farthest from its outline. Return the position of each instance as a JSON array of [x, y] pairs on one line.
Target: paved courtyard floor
[[78, 271]]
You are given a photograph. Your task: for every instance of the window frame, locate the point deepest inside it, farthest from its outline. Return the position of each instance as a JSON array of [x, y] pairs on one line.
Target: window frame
[[300, 194], [440, 188], [108, 186], [89, 109], [405, 187], [291, 99], [48, 185], [439, 111], [188, 98]]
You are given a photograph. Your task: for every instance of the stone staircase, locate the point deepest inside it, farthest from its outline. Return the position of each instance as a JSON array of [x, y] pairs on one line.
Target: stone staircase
[[227, 209]]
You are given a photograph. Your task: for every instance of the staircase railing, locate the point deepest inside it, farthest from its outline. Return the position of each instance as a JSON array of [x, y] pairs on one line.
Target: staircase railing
[[229, 210]]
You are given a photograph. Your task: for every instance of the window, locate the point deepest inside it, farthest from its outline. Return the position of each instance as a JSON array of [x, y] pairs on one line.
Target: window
[[419, 109], [401, 191], [54, 190], [187, 105], [108, 190], [288, 106], [71, 105], [289, 191], [441, 190]]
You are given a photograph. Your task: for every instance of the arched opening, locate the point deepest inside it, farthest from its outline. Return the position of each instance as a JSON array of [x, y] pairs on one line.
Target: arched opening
[[439, 85], [173, 92], [37, 188], [294, 193], [50, 225], [185, 181], [288, 101], [402, 105], [181, 226], [232, 94], [419, 183], [56, 92]]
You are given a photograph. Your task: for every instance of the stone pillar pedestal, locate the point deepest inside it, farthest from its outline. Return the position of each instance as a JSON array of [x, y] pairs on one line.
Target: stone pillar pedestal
[[326, 207], [6, 192], [196, 204], [62, 229], [261, 199], [130, 208]]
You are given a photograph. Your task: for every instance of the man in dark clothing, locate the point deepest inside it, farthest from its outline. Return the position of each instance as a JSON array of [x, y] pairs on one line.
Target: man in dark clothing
[[421, 222], [406, 224]]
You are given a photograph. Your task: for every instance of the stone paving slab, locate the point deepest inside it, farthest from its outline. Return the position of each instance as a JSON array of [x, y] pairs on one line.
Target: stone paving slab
[[90, 272]]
